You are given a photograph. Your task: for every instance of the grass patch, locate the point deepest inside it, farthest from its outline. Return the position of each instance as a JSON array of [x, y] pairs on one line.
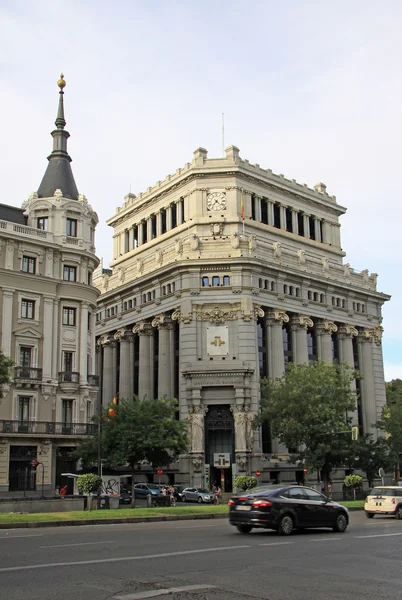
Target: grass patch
[[353, 503], [81, 515]]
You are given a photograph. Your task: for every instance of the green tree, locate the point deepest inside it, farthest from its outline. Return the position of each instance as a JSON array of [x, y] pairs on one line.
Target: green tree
[[89, 483], [5, 370], [370, 455], [391, 423], [136, 430], [353, 481], [307, 410], [244, 482]]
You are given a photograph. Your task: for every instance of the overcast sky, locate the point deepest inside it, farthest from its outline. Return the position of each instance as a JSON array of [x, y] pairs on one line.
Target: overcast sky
[[310, 89]]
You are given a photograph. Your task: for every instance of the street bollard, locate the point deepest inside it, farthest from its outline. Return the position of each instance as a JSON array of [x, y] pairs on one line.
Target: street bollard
[[149, 501]]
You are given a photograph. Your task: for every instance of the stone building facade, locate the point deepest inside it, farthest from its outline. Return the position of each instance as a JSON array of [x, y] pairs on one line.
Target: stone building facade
[[221, 274], [47, 320]]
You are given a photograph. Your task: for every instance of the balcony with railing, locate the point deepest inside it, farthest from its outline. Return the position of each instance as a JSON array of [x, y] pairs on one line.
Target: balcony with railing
[[46, 428], [93, 380], [69, 377], [27, 377]]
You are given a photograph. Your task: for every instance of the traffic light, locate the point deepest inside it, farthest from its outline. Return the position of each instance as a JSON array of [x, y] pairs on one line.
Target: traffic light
[[355, 433]]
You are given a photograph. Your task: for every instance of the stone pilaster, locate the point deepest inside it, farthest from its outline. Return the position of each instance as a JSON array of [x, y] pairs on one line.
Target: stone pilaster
[[282, 214], [365, 342], [84, 343], [7, 321], [145, 334], [346, 333], [165, 358], [299, 325], [124, 337], [324, 330], [107, 388], [55, 339], [257, 208], [276, 358]]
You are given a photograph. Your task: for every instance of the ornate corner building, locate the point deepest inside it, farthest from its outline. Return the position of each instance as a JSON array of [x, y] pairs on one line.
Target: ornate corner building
[[47, 320], [222, 273]]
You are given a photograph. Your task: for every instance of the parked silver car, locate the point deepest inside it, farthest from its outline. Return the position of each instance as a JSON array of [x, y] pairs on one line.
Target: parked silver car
[[200, 495]]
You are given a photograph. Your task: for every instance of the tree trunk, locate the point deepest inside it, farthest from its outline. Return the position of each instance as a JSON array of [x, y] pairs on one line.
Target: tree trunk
[[132, 488]]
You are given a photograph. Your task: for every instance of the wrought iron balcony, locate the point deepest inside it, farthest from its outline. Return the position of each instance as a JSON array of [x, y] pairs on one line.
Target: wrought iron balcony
[[47, 427], [93, 380], [69, 377], [29, 373]]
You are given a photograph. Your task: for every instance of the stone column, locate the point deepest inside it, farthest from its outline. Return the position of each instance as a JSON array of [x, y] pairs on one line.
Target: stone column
[[107, 387], [270, 209], [114, 368], [149, 228], [55, 339], [306, 224], [346, 333], [257, 209], [84, 343], [165, 359], [276, 358], [140, 232], [124, 336], [158, 224], [180, 215], [299, 326], [132, 342], [282, 213], [145, 333], [365, 342], [169, 217], [7, 321], [324, 330], [295, 221], [47, 338], [326, 232], [318, 230], [93, 343]]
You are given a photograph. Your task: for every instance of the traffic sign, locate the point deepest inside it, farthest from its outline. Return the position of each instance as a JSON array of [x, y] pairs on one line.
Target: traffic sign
[[159, 471], [258, 473], [34, 463], [305, 470]]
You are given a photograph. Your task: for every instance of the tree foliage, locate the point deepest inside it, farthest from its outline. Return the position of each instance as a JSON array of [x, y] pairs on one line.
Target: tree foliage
[[89, 483], [353, 481], [370, 455], [137, 430], [308, 409], [391, 422], [5, 370], [244, 482]]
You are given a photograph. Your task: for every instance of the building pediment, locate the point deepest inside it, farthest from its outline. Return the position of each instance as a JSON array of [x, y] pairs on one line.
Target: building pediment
[[27, 332]]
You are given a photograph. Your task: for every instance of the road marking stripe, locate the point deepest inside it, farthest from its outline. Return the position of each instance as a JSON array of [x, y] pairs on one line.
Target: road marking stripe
[[78, 544], [154, 593], [18, 537], [362, 537], [120, 559], [277, 544], [331, 539]]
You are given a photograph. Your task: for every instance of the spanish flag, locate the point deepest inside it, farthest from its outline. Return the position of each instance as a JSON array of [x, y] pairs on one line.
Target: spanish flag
[[242, 206]]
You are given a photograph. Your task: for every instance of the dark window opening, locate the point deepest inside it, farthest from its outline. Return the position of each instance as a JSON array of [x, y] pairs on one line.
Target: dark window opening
[[253, 208], [173, 209], [153, 226], [264, 211], [135, 236], [312, 228], [42, 223], [277, 216], [312, 345], [266, 438], [69, 316], [71, 227], [215, 281], [289, 223], [28, 264], [144, 232], [27, 309], [226, 280], [300, 223], [335, 347], [287, 343], [205, 282], [163, 220]]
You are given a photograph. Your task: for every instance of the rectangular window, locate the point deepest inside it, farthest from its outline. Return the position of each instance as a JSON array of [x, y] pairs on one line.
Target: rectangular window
[[144, 232], [25, 360], [42, 223], [71, 227], [264, 211], [153, 226], [163, 220], [289, 223], [277, 216], [69, 316], [300, 223], [69, 273], [173, 209], [312, 228], [24, 404], [28, 309], [29, 264], [253, 208]]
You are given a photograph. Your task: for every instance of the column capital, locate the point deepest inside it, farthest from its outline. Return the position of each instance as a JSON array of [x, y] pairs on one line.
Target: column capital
[[277, 316], [301, 322], [326, 328], [365, 334], [107, 340], [186, 318], [143, 328], [347, 331], [162, 322], [123, 335]]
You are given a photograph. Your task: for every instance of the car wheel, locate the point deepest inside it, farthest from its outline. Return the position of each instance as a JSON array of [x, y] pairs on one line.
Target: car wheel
[[370, 515], [199, 500], [398, 513], [244, 528], [183, 499], [341, 523], [286, 525]]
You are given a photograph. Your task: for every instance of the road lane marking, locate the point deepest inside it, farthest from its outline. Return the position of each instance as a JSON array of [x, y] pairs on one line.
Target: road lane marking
[[79, 544], [99, 561], [362, 537], [18, 537], [276, 544], [155, 593], [331, 539]]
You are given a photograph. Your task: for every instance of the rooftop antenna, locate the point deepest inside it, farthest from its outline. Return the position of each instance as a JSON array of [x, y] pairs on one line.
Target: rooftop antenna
[[223, 134]]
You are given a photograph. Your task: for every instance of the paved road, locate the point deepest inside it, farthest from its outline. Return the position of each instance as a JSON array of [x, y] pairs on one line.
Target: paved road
[[151, 560]]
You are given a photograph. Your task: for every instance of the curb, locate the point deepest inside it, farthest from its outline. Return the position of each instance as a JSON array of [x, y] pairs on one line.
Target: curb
[[73, 523]]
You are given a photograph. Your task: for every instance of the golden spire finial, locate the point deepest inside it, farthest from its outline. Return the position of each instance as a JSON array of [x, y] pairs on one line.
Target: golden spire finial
[[61, 83]]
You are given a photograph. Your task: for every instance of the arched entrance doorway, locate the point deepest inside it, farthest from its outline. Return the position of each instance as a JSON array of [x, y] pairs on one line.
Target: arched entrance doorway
[[219, 440]]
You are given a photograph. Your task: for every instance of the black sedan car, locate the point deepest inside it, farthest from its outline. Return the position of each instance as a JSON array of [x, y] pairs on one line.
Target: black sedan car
[[285, 509]]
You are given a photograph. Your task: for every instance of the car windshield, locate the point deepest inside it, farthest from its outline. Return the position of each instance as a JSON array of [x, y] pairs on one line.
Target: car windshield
[[202, 491], [262, 489], [383, 492]]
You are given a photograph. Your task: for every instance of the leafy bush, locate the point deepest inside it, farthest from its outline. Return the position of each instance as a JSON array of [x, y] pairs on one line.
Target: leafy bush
[[353, 481], [89, 483], [243, 482]]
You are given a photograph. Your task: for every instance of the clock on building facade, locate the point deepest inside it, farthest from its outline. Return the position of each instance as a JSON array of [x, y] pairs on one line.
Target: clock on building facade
[[216, 201]]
